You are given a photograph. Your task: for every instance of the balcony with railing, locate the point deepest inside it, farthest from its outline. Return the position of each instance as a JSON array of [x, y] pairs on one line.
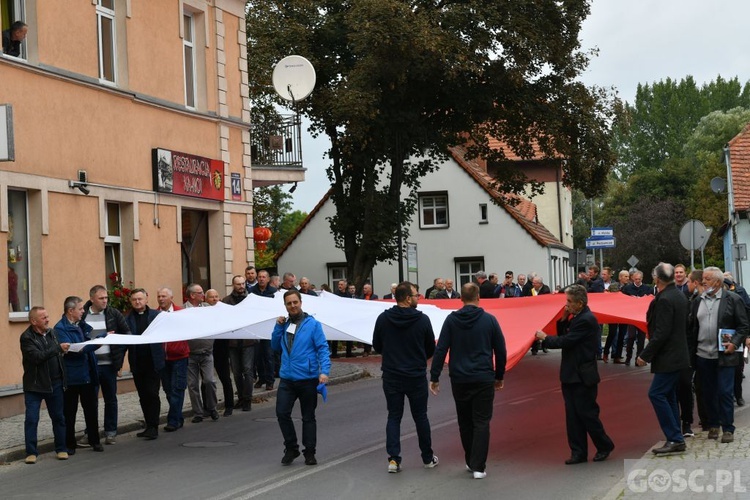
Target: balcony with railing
[[276, 151]]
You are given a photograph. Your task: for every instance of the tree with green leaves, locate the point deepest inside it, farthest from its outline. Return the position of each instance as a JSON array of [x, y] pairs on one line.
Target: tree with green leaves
[[399, 81], [669, 144], [272, 208]]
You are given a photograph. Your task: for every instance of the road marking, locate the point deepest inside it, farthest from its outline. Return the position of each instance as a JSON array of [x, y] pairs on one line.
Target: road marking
[[279, 480], [521, 401]]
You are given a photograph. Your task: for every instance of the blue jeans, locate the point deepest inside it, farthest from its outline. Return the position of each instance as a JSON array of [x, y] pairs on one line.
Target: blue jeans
[[288, 392], [174, 381], [108, 383], [663, 396], [414, 388], [717, 391], [264, 362], [55, 406]]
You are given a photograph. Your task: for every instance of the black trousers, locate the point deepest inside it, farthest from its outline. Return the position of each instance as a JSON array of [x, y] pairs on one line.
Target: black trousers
[[635, 336], [474, 411], [685, 395], [89, 396], [221, 366], [582, 419], [147, 383]]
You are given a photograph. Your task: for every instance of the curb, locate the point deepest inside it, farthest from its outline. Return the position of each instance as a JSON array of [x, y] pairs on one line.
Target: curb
[[19, 452]]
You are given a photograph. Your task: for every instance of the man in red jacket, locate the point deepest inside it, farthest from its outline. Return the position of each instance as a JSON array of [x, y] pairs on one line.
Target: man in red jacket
[[174, 376]]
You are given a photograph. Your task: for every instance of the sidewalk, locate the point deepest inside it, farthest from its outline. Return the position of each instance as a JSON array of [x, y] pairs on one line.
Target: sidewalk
[[130, 417], [701, 452]]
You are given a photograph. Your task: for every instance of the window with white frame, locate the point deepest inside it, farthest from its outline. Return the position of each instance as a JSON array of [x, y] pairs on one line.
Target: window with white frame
[[105, 21], [188, 44], [433, 210], [466, 269], [113, 240], [336, 273], [18, 252], [12, 11]]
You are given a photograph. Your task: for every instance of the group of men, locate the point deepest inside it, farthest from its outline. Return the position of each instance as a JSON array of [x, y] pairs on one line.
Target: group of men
[[62, 378], [696, 338]]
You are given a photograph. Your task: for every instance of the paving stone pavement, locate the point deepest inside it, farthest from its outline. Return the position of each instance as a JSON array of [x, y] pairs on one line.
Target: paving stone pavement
[[701, 453], [130, 417]]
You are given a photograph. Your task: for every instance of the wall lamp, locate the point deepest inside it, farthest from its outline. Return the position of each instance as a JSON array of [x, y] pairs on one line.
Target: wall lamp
[[293, 188]]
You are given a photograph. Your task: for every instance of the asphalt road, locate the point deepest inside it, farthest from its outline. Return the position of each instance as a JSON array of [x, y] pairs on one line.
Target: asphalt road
[[239, 456]]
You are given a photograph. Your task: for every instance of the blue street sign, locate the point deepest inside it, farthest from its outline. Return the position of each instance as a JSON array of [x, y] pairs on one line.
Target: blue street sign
[[600, 242]]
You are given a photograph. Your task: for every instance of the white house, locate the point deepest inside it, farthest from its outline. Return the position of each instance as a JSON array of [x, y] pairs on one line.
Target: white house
[[458, 231], [737, 158]]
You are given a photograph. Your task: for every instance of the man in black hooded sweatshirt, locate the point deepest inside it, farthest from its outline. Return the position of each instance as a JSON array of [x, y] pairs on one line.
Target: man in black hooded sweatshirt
[[406, 341], [472, 336]]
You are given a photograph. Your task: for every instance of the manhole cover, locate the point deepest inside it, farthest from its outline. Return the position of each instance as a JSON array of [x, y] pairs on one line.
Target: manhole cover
[[208, 444]]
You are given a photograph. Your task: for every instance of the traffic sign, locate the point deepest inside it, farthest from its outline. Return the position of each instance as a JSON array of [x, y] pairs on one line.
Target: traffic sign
[[602, 231], [600, 242]]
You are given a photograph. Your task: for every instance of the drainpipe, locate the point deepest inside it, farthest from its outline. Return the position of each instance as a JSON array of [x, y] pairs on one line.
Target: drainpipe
[[737, 271]]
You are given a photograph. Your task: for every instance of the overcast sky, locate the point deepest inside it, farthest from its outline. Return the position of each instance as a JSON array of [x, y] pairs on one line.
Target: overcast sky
[[639, 41]]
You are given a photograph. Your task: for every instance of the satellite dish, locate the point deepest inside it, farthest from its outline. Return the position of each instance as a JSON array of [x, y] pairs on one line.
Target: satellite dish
[[294, 78], [718, 185]]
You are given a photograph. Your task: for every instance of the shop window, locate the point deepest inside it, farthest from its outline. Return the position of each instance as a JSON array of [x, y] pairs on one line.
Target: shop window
[[18, 252], [105, 21]]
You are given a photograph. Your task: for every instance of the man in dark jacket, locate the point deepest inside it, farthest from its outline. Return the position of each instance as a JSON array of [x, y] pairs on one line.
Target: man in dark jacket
[[668, 354], [472, 336], [43, 380], [486, 288], [406, 341], [104, 319], [264, 361], [718, 311], [13, 37], [146, 362], [82, 375], [635, 337], [578, 337]]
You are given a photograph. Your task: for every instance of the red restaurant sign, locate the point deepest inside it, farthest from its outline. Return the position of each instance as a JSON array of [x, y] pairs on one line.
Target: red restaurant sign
[[187, 175]]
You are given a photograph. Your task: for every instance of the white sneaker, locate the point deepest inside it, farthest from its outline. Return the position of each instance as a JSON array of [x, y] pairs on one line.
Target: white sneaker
[[83, 442], [110, 440], [432, 463], [394, 467], [468, 469], [479, 475]]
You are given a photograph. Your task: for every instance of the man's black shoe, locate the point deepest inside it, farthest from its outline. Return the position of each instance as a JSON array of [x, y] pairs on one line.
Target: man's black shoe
[[310, 459], [170, 428], [740, 402], [97, 447], [575, 460], [196, 419], [149, 433], [228, 412], [670, 447], [601, 456], [289, 456]]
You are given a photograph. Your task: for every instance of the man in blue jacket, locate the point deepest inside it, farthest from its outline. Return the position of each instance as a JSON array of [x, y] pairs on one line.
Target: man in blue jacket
[[406, 341], [82, 375], [305, 363], [472, 336]]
